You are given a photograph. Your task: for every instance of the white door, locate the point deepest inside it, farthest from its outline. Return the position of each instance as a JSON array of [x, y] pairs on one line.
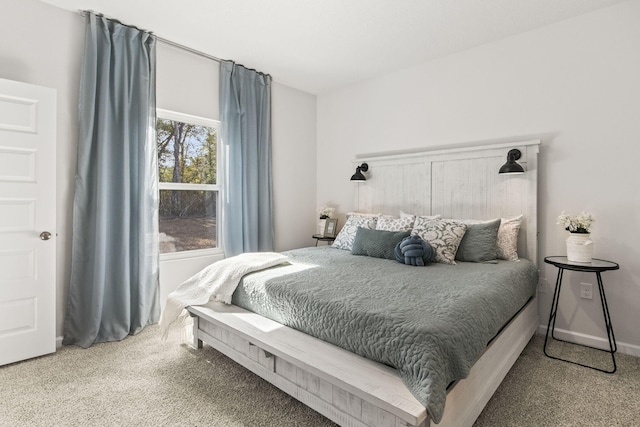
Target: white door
[[27, 214]]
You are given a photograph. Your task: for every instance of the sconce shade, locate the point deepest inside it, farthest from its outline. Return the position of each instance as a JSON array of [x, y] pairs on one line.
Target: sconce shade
[[512, 167], [358, 176]]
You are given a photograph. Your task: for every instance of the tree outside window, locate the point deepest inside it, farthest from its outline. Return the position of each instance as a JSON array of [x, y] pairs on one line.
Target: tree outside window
[[187, 170]]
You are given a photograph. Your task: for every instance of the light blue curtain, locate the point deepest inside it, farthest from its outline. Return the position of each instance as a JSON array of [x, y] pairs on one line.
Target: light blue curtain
[[245, 113], [114, 274]]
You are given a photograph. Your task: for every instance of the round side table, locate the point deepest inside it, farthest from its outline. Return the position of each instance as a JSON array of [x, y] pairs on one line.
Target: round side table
[[596, 266], [320, 238]]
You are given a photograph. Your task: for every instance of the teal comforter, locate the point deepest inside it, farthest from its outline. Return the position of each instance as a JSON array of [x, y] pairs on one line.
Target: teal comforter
[[430, 323]]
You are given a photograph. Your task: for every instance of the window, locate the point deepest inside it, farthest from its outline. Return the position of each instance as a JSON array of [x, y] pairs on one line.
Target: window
[[189, 191]]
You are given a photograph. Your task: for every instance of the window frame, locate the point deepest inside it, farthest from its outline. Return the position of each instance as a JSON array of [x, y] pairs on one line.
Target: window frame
[[210, 123]]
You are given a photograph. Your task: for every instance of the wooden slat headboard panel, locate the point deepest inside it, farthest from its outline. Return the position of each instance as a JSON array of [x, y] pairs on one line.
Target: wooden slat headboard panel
[[461, 183]]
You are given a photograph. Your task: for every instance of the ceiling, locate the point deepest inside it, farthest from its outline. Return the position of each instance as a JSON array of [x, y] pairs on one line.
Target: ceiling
[[321, 45]]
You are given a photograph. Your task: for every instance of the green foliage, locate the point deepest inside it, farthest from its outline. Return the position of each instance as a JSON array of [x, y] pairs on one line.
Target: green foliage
[[186, 154]]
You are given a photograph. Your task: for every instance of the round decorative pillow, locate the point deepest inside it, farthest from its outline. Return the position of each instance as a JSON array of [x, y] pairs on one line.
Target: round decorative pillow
[[413, 250]]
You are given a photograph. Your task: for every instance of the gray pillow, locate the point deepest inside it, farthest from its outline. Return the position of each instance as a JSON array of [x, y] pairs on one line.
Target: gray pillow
[[377, 243], [480, 242]]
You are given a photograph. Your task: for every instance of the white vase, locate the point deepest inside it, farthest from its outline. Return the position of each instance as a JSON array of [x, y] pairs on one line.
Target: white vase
[[579, 247], [321, 224]]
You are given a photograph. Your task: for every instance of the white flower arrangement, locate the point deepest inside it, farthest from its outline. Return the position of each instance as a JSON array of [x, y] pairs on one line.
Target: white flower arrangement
[[325, 212], [580, 223]]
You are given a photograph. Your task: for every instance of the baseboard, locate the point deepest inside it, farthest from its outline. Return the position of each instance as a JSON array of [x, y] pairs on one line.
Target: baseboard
[[58, 342], [592, 341]]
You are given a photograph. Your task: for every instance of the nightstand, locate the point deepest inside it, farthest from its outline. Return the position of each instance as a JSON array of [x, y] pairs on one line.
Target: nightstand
[[596, 266], [320, 238]]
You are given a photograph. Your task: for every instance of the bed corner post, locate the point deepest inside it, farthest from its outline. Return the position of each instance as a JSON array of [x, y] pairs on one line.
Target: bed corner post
[[193, 339]]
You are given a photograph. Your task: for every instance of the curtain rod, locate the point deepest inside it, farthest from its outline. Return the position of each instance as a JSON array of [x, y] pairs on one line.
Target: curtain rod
[[188, 49], [158, 38], [172, 43]]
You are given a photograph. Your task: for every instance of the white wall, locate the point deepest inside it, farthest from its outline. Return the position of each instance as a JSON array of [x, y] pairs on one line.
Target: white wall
[[42, 45], [294, 167], [186, 83], [576, 86]]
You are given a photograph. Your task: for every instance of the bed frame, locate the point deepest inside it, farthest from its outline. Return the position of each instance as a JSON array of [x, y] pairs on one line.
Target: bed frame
[[357, 392]]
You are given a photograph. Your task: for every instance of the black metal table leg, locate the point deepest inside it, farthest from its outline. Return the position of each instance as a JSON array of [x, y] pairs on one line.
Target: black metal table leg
[[613, 346], [554, 310]]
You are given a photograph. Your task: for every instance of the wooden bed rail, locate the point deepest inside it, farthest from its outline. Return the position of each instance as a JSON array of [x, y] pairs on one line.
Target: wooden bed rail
[[346, 388]]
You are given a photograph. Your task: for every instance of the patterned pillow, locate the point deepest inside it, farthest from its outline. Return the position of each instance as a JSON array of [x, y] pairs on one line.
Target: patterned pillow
[[344, 239], [393, 223], [508, 238], [443, 235]]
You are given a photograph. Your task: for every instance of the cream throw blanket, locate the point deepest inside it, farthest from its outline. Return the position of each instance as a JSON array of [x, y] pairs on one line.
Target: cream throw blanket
[[216, 282]]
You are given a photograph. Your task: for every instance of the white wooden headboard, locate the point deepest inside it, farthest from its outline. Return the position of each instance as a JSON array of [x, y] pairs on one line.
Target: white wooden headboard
[[461, 183]]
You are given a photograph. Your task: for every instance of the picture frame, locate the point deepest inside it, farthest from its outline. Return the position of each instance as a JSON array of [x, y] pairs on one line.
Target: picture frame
[[331, 227]]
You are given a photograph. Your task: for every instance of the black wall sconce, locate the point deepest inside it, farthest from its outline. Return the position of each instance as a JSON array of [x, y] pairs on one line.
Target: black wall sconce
[[358, 176], [512, 167]]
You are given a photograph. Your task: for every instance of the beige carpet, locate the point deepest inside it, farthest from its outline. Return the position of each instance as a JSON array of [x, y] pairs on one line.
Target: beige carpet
[[142, 381], [539, 391]]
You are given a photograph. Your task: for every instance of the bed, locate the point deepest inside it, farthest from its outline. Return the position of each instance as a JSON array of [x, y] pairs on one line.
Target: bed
[[325, 371]]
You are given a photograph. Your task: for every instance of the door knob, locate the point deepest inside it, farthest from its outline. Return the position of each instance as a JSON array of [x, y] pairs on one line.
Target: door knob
[[45, 235]]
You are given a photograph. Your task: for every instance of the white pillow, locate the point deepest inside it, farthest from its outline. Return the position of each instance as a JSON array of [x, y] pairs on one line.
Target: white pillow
[[508, 238], [442, 234], [393, 223], [361, 214], [403, 214], [344, 239]]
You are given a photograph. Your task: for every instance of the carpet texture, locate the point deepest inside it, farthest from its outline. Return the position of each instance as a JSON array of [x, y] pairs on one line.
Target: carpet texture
[[143, 381]]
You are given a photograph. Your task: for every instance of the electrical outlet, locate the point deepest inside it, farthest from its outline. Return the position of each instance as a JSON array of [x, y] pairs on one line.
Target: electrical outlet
[[586, 290], [543, 285]]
